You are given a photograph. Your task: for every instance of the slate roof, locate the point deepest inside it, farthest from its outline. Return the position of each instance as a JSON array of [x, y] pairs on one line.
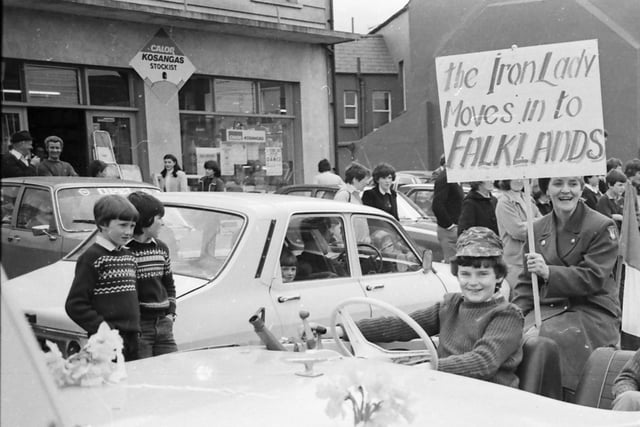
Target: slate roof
[[373, 53]]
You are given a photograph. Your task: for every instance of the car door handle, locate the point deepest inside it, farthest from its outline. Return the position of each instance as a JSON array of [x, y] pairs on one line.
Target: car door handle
[[290, 298], [374, 287], [13, 238]]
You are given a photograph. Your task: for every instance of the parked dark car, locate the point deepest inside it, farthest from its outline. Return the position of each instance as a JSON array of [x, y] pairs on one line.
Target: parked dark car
[[43, 218], [420, 225]]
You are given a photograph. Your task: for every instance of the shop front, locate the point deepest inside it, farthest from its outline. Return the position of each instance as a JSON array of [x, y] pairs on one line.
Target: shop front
[[259, 102]]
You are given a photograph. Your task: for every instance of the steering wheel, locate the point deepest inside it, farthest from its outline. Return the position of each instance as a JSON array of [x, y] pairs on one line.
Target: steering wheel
[[363, 348], [376, 257]]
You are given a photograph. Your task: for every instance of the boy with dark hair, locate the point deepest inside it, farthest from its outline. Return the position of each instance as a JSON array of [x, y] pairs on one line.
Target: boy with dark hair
[[104, 286], [480, 332], [611, 203], [156, 289], [355, 178], [211, 181]]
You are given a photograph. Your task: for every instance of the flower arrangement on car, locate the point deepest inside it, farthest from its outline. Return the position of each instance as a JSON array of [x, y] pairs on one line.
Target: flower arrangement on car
[[100, 361]]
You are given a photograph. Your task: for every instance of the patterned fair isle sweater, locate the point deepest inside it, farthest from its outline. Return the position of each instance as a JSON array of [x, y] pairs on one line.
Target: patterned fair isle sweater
[[104, 288], [477, 340], [156, 289]]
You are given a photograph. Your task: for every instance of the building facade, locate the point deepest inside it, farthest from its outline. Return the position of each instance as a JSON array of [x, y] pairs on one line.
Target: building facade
[[259, 101], [425, 30]]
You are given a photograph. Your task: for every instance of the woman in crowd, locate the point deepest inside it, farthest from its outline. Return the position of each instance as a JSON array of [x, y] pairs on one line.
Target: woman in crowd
[[575, 253], [172, 177], [511, 214], [479, 208], [382, 196], [211, 181], [355, 178]]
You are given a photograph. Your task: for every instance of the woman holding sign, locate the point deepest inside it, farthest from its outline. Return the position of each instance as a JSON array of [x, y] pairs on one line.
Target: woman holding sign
[[575, 253]]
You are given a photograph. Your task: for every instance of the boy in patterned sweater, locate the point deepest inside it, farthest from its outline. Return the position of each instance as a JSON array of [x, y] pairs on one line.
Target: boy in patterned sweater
[[480, 332], [104, 286], [156, 290]]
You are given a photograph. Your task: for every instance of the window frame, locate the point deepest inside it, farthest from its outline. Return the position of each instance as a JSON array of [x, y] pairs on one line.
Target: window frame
[[374, 111], [348, 121]]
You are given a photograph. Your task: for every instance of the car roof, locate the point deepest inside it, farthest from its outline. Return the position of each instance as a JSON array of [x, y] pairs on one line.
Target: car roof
[[264, 204], [56, 182], [306, 187]]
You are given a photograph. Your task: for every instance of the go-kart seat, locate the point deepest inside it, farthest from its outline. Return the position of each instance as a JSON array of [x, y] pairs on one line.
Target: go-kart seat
[[600, 371], [539, 371]]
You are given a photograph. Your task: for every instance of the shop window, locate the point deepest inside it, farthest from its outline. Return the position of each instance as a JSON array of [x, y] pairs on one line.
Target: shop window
[[274, 98], [10, 125], [11, 87], [381, 108], [254, 153], [52, 85], [108, 87], [350, 107], [196, 95], [235, 96]]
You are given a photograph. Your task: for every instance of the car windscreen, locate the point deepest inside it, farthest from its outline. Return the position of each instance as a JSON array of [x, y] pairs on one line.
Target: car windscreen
[[76, 205], [408, 210], [200, 241]]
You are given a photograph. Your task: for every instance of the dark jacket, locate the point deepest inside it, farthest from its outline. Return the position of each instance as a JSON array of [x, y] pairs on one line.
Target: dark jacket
[[374, 198], [12, 167], [478, 211], [447, 201], [590, 198], [579, 301], [211, 183]]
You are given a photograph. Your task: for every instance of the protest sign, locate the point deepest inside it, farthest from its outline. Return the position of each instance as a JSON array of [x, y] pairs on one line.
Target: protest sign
[[522, 112]]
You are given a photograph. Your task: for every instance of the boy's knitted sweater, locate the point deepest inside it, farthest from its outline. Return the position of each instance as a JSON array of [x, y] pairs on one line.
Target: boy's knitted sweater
[[156, 289], [104, 288], [629, 377], [478, 340]]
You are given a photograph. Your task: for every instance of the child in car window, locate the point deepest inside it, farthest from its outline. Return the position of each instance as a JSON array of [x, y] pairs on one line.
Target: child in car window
[[104, 286], [480, 332], [288, 265]]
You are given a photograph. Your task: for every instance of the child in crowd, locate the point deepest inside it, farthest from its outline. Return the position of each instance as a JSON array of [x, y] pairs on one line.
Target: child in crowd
[[480, 332], [104, 286], [211, 181], [611, 203], [156, 290], [288, 265], [626, 387]]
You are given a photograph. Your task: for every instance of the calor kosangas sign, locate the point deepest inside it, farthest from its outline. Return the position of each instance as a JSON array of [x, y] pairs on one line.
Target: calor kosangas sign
[[522, 112]]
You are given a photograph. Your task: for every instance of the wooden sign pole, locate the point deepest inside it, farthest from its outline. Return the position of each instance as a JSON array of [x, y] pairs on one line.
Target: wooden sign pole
[[532, 247]]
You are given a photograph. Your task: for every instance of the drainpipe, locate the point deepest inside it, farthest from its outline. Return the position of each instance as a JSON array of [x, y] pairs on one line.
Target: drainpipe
[[332, 70], [361, 98]]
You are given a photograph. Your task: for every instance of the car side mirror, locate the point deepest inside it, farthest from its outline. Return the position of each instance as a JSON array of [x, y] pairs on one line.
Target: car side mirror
[[427, 261], [42, 230]]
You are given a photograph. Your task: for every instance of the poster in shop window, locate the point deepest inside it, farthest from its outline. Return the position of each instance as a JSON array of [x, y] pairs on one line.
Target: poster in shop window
[[163, 66], [522, 112]]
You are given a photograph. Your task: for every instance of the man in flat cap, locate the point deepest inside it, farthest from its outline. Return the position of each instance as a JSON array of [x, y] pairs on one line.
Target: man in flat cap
[[18, 161]]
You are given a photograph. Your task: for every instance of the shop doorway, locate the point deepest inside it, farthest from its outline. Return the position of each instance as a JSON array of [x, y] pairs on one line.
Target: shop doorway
[[69, 124]]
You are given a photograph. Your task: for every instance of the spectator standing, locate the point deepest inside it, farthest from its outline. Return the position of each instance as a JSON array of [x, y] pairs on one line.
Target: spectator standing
[[154, 279], [543, 202], [574, 255], [612, 203], [355, 178], [632, 171], [447, 205], [211, 181], [97, 169], [104, 285], [591, 191], [479, 208], [38, 155], [511, 214], [441, 168], [172, 177], [17, 162], [626, 386], [52, 165], [382, 196], [325, 175]]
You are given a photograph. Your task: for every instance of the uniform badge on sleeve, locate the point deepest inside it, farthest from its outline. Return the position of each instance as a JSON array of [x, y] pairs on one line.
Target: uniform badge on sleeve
[[613, 232]]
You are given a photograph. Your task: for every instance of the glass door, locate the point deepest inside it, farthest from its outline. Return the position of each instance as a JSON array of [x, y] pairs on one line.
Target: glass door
[[121, 127]]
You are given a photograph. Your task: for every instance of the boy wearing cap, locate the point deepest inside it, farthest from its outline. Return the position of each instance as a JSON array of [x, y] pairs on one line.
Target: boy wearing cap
[[18, 161], [480, 332]]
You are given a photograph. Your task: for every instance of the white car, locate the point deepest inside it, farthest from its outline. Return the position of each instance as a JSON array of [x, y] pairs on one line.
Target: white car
[[250, 385], [225, 250]]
